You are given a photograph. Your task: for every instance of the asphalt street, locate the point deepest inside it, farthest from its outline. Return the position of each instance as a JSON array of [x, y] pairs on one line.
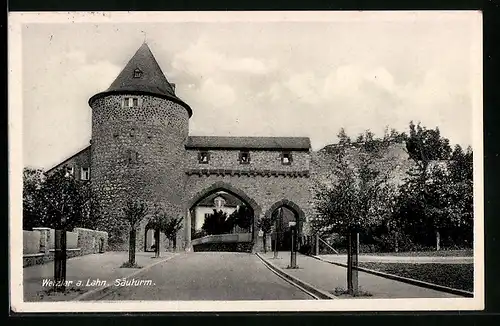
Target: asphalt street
[[208, 276]]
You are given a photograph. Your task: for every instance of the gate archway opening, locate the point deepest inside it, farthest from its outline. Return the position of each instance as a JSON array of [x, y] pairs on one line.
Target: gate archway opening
[[282, 213], [239, 211]]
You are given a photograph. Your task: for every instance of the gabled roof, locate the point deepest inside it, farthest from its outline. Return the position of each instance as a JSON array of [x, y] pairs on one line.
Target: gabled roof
[[231, 201], [269, 143], [151, 81], [58, 165]]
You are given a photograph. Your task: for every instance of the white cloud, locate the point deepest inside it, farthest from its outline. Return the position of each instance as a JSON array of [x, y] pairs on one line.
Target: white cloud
[[201, 59], [217, 94]]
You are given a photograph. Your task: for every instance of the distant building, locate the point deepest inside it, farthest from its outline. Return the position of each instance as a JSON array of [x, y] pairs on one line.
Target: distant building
[[220, 201]]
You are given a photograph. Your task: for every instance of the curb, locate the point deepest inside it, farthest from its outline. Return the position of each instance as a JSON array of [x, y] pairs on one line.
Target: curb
[[99, 293], [407, 280], [304, 286]]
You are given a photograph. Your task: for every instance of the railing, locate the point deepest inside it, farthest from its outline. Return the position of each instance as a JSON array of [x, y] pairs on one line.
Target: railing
[[327, 246], [223, 238]]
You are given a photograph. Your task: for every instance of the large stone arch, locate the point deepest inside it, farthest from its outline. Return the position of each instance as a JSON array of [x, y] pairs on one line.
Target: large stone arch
[[227, 187], [224, 186]]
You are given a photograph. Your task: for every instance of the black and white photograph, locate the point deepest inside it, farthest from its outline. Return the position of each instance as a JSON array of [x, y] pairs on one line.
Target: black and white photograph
[[245, 161]]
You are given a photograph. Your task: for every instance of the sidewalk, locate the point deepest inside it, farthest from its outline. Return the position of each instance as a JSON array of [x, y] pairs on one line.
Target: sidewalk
[[91, 270], [328, 277], [402, 259]]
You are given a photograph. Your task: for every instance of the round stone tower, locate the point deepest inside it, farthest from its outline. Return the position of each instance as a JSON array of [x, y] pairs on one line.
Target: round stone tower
[[139, 130]]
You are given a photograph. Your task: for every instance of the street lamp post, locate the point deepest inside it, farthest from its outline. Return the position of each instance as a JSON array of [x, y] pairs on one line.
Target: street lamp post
[[293, 251], [277, 223]]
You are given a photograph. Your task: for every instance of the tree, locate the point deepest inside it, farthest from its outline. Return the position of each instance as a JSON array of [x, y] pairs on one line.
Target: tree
[[170, 227], [265, 224], [33, 212], [357, 196], [64, 200], [157, 222], [426, 147], [242, 217], [133, 213], [217, 223]]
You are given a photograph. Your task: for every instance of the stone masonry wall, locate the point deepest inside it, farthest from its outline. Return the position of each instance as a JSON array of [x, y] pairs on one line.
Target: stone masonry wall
[[137, 153], [259, 160], [264, 190]]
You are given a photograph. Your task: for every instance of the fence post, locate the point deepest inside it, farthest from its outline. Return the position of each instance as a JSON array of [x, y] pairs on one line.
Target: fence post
[[317, 244], [44, 239]]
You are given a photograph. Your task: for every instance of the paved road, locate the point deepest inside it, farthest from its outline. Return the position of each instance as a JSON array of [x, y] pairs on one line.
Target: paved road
[[403, 259], [210, 276]]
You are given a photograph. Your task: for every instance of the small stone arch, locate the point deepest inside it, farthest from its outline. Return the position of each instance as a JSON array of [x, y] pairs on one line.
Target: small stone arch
[[288, 204], [300, 215], [223, 186]]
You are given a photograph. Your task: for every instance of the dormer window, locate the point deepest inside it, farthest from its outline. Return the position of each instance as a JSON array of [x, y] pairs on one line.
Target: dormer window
[[137, 73], [219, 203], [244, 157], [131, 102], [203, 157], [286, 158]]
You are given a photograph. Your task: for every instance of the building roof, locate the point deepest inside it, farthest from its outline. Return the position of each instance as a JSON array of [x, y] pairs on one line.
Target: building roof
[[151, 81], [58, 165], [276, 143], [231, 201]]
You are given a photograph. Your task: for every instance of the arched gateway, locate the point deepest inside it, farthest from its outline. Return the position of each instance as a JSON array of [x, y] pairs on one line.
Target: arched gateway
[[141, 150]]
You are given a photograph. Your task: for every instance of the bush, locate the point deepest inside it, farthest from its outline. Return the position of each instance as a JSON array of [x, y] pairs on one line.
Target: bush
[[305, 249]]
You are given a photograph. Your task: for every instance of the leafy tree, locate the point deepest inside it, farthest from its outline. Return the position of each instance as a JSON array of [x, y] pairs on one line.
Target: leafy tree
[[357, 194], [265, 224], [170, 227], [157, 222], [133, 213], [426, 147], [63, 200], [33, 213], [217, 223], [242, 217]]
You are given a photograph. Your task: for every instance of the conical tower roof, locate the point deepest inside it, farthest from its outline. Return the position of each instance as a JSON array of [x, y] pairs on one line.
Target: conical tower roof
[[142, 75]]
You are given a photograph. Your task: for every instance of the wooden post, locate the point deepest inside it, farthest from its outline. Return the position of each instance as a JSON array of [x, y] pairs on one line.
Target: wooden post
[[187, 226], [60, 260], [157, 243], [350, 289], [316, 246], [131, 248], [355, 280], [438, 240]]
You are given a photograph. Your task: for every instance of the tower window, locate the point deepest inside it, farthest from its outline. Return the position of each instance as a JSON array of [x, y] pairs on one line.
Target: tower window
[[69, 171], [203, 157], [137, 73], [131, 102], [85, 173], [244, 157], [286, 158]]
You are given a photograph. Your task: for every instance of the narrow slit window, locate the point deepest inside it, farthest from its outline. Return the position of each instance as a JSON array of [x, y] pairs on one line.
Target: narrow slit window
[[204, 157], [244, 157], [286, 158]]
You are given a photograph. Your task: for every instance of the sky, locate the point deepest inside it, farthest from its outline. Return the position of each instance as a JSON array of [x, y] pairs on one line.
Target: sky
[[280, 78]]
